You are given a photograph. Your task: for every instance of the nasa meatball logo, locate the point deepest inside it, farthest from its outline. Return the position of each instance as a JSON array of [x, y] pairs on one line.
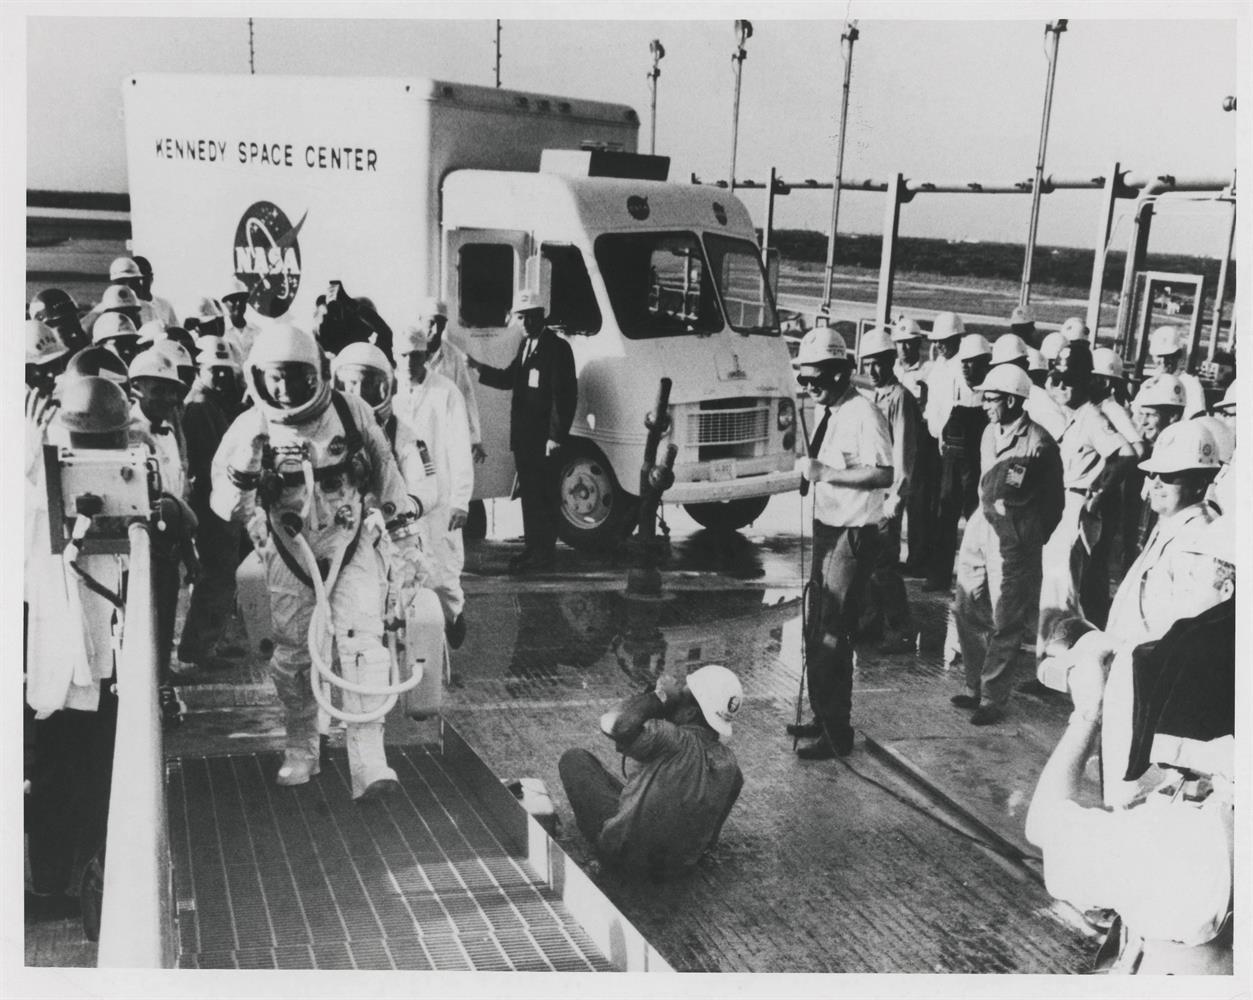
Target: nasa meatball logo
[[267, 257]]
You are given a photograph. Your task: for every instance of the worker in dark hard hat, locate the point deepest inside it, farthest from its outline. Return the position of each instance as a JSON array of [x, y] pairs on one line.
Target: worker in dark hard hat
[[1095, 459], [54, 308], [1022, 325], [46, 356], [545, 392], [672, 808], [161, 308], [999, 566], [849, 463]]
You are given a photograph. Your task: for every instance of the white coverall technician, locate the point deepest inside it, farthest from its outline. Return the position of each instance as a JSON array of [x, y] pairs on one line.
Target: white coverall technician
[[307, 454], [449, 360]]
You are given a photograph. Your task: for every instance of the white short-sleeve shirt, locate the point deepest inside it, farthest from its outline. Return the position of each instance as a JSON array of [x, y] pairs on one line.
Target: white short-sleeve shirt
[[857, 437]]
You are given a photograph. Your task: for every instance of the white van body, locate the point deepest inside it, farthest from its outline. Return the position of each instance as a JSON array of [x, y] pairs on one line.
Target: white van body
[[403, 188]]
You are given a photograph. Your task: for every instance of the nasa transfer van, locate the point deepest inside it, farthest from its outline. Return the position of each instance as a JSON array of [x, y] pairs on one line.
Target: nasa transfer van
[[403, 188]]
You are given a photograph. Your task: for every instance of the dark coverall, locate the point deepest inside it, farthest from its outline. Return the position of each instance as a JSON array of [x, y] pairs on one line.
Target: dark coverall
[[959, 485]]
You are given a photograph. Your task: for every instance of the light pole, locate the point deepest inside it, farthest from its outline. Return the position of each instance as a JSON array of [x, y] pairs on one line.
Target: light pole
[[850, 35], [1054, 28], [658, 53], [743, 32], [498, 52]]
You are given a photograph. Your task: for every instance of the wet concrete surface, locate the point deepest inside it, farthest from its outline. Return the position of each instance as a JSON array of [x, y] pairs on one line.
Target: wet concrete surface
[[908, 856]]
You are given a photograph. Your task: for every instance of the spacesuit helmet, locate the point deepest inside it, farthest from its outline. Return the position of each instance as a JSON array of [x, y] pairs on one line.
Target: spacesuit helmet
[[362, 369], [284, 375]]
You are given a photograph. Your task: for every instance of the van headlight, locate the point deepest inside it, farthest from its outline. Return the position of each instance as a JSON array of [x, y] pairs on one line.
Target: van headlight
[[787, 414]]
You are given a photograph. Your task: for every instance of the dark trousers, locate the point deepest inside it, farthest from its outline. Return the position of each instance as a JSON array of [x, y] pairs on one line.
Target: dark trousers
[[592, 789], [538, 489], [165, 584], [959, 494], [67, 810], [213, 595], [887, 604], [843, 561], [923, 506]]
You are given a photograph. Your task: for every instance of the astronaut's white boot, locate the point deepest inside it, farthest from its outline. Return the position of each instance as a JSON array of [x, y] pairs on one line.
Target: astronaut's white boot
[[365, 660]]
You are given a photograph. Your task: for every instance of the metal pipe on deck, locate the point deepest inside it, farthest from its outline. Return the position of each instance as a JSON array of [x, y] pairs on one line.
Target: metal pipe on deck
[[136, 927]]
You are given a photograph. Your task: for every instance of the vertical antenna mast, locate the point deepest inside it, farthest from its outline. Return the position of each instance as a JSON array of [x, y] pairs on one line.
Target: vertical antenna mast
[[743, 32], [252, 55], [497, 52]]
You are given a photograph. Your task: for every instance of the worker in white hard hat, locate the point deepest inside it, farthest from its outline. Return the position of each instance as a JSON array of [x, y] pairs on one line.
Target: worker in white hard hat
[[1158, 404], [545, 394], [153, 305], [116, 333], [1009, 349], [1022, 325], [46, 356], [447, 359], [296, 469], [1165, 863], [887, 600], [1037, 367], [912, 370], [183, 362], [1075, 328], [959, 456], [215, 400], [207, 320], [1095, 460], [1109, 394], [1169, 349], [999, 566], [56, 309], [117, 301], [432, 405], [672, 808], [240, 331], [849, 464], [1051, 346]]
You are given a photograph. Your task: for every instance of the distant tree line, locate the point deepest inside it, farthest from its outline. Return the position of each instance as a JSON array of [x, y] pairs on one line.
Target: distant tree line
[[1066, 267]]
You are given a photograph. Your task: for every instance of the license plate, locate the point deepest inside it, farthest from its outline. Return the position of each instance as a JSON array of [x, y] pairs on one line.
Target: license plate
[[722, 470]]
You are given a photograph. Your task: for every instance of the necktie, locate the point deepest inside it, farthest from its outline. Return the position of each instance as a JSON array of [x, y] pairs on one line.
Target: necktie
[[819, 433], [526, 351]]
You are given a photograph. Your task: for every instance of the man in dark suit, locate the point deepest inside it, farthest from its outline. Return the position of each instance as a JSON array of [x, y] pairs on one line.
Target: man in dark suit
[[545, 393]]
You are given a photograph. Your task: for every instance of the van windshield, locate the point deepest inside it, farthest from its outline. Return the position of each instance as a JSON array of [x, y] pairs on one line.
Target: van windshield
[[736, 267], [659, 284]]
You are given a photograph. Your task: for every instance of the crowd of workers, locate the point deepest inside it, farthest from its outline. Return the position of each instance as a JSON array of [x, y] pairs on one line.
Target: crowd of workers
[[310, 447]]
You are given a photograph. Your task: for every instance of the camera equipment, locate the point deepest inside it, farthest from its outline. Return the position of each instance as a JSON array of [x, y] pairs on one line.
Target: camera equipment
[[109, 487]]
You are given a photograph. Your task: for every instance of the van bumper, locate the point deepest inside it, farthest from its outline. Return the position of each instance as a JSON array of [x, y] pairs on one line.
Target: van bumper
[[733, 489]]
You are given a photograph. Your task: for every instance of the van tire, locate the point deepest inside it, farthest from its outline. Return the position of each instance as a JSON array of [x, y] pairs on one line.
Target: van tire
[[594, 512], [727, 515]]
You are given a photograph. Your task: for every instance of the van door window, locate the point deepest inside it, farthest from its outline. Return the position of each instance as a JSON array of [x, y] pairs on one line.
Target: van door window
[[745, 289], [485, 284], [572, 307], [659, 284]]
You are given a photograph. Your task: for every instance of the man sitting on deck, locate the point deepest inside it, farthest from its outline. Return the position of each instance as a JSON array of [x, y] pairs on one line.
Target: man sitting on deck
[[672, 808]]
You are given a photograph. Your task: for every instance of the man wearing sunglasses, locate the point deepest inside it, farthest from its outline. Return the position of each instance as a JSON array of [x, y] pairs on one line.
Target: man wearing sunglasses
[[849, 463], [999, 566], [1095, 459]]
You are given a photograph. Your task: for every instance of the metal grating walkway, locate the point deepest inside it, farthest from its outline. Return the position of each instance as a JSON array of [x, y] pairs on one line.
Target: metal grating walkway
[[304, 878]]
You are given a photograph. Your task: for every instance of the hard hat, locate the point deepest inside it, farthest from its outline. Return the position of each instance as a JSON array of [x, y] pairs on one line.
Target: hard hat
[[1008, 347], [207, 310], [905, 329], [1074, 329], [1035, 361], [525, 300], [93, 405], [1021, 316], [234, 288], [1008, 379], [124, 267], [152, 331], [718, 693], [154, 363], [214, 353], [1161, 390], [109, 325], [1106, 362], [284, 344], [876, 341], [118, 297], [430, 307], [945, 325], [364, 354], [176, 352], [43, 344], [1165, 340], [410, 339], [973, 345], [96, 361], [1228, 403], [1052, 345], [821, 345], [52, 305], [1224, 436], [1186, 445]]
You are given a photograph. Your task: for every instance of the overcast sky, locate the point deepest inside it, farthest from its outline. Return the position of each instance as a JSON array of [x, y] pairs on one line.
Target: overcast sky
[[950, 100]]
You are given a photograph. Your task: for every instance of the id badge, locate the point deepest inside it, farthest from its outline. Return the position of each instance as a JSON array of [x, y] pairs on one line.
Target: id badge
[[532, 378], [1016, 474]]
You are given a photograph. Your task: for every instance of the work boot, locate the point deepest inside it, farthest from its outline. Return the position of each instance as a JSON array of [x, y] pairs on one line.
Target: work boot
[[965, 700], [987, 715], [805, 730], [299, 765]]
